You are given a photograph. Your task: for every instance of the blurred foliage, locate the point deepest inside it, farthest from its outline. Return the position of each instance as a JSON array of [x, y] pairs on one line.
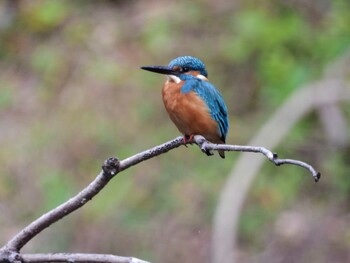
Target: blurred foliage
[[72, 94], [6, 96], [285, 47], [43, 16]]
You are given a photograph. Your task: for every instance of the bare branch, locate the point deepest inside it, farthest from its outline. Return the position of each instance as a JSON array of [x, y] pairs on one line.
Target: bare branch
[[18, 241], [205, 145], [78, 257], [112, 167]]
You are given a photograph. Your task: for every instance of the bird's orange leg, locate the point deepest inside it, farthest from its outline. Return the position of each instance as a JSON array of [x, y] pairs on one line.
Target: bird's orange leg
[[188, 139]]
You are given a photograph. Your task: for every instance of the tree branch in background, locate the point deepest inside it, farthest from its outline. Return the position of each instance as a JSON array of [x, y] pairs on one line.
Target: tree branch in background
[[112, 166], [330, 90]]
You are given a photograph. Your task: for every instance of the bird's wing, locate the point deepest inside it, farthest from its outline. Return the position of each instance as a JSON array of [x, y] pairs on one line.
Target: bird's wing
[[213, 99]]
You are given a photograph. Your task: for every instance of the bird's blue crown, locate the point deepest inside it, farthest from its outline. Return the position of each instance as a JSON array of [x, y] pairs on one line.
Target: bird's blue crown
[[191, 63]]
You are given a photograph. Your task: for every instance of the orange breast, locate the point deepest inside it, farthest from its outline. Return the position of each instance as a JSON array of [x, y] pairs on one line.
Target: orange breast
[[189, 112]]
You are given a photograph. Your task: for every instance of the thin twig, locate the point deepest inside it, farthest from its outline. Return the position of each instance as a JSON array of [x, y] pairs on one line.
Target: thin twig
[[205, 145]]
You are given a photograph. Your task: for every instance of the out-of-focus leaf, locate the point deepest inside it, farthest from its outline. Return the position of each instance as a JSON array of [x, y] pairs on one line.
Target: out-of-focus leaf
[[6, 96], [42, 16]]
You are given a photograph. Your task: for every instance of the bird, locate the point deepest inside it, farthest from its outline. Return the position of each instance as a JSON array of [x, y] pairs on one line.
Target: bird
[[194, 105]]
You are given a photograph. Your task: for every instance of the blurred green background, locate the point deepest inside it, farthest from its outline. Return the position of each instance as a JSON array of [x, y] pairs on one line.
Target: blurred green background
[[72, 94]]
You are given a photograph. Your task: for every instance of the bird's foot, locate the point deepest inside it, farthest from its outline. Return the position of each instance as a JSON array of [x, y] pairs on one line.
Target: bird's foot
[[188, 139], [208, 152], [202, 142]]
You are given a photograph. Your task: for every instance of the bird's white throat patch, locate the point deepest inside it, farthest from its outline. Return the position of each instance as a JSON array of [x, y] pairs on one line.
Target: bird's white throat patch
[[177, 80], [174, 78], [200, 76]]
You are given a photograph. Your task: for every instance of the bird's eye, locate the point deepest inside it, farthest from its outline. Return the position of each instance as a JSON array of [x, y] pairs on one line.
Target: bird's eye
[[181, 69]]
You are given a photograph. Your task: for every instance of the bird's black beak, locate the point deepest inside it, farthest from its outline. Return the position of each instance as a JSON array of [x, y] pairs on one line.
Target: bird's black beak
[[161, 70]]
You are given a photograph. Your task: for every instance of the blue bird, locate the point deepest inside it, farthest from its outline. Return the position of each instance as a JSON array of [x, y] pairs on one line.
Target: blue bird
[[194, 105]]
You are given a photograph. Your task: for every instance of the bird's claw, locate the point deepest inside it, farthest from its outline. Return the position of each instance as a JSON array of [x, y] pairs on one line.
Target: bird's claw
[[188, 139], [208, 152], [204, 148]]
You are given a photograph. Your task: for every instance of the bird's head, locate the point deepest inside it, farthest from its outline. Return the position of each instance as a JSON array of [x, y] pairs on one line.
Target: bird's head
[[179, 67]]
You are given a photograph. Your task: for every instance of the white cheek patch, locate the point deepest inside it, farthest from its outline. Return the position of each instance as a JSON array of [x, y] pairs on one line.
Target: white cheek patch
[[202, 77], [174, 78]]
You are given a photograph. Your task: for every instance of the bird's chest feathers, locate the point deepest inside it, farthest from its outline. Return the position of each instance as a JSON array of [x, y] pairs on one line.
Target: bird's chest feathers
[[186, 109], [178, 100]]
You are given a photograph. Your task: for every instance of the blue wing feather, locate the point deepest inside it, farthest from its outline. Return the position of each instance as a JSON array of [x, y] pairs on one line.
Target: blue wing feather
[[213, 99]]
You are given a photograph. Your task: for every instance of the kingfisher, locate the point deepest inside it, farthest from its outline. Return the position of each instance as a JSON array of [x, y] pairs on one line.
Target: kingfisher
[[194, 105]]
